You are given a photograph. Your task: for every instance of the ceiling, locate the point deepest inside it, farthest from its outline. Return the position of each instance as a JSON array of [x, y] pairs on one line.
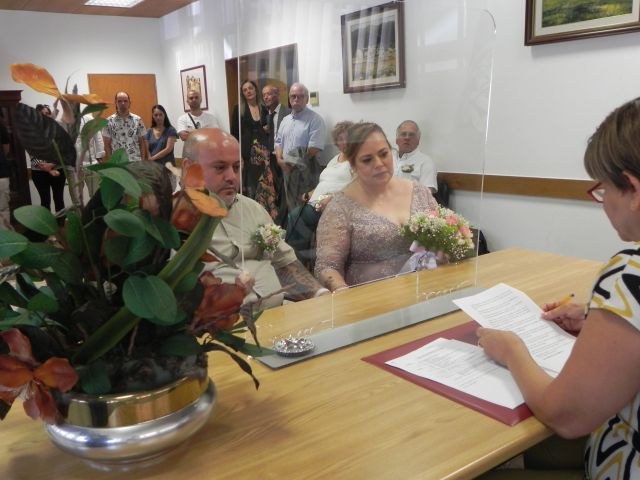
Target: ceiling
[[148, 8]]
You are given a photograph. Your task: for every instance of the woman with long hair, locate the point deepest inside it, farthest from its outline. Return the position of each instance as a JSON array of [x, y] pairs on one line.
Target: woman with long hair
[[161, 137]]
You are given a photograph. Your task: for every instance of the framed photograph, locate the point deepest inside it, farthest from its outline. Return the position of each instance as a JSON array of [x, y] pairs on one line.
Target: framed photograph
[[194, 78], [559, 20], [373, 48]]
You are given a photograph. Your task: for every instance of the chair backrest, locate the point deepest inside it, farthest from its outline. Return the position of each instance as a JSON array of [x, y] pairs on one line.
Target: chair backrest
[[442, 195]]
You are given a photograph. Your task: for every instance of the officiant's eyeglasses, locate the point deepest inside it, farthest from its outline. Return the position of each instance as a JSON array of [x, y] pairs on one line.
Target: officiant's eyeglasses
[[597, 192]]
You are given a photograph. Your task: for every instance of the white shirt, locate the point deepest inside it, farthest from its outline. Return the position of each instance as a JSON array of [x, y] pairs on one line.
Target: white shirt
[[333, 178], [416, 166], [204, 120]]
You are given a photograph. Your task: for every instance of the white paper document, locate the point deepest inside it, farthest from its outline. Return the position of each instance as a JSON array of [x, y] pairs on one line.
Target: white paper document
[[504, 308], [464, 367]]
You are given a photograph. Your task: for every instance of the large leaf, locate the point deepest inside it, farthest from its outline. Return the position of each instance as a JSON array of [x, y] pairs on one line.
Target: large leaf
[[151, 298], [116, 249], [37, 218], [11, 243], [110, 193], [68, 267], [180, 346], [94, 379], [43, 303], [37, 255], [123, 178], [38, 133], [10, 296], [119, 157], [139, 249], [74, 233], [168, 233], [90, 129], [96, 107], [125, 223]]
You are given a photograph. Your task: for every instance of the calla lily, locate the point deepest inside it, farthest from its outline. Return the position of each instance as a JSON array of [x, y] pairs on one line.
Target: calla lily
[[22, 376]]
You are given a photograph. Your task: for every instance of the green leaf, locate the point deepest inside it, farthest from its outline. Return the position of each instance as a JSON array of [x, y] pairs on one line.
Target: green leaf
[[110, 193], [23, 318], [168, 233], [139, 249], [116, 249], [255, 351], [187, 283], [123, 178], [96, 107], [94, 379], [68, 267], [125, 223], [37, 218], [10, 296], [119, 157], [150, 227], [43, 303], [180, 346], [37, 255], [11, 243], [230, 340], [151, 298], [92, 127], [74, 232]]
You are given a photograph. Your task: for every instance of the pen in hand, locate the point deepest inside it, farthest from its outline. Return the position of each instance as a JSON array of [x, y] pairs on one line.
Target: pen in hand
[[568, 299]]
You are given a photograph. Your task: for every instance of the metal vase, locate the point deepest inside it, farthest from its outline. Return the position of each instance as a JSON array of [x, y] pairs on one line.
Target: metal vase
[[134, 427]]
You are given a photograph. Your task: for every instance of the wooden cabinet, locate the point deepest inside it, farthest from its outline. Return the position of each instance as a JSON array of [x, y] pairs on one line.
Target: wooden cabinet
[[20, 195]]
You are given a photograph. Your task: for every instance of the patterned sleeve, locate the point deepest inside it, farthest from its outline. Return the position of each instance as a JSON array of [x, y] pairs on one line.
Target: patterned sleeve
[[616, 290], [141, 128], [106, 131], [333, 238], [423, 200]]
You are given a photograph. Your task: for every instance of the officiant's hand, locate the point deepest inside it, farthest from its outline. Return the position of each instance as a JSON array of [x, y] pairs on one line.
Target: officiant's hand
[[500, 345], [568, 316]]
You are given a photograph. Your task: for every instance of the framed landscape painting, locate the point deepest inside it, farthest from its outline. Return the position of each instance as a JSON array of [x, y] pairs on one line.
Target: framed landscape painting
[[373, 48], [559, 20], [194, 78]]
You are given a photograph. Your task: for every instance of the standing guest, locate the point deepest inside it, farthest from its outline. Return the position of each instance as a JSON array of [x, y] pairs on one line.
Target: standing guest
[[411, 162], [195, 118], [218, 154], [46, 177], [597, 392], [301, 137], [161, 137], [94, 154], [5, 188], [248, 124], [125, 130], [358, 235]]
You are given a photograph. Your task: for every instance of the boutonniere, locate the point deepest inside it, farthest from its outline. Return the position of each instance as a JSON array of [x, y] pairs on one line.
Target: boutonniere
[[267, 238], [407, 168]]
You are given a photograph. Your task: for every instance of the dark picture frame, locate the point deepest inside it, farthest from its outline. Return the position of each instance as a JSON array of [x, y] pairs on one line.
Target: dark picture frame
[[373, 48], [194, 78], [558, 20]]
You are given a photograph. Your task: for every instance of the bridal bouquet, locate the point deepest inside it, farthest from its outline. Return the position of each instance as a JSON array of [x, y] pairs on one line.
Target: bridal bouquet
[[441, 230], [267, 238]]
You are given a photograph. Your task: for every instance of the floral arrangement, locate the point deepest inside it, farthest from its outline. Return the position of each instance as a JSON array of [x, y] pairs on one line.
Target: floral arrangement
[[101, 304], [267, 238], [440, 230], [407, 168]]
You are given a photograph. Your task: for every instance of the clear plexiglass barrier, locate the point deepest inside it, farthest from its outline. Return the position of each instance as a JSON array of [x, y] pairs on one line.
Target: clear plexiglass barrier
[[427, 62]]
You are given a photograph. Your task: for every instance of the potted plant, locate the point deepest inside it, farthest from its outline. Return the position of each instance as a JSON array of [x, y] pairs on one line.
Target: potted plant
[[108, 301]]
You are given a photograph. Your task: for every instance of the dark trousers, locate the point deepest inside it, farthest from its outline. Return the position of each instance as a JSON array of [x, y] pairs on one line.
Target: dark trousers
[[46, 184]]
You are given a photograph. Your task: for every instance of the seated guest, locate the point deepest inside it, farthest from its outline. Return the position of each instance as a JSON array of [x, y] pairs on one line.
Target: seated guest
[[598, 390], [411, 163], [219, 155], [303, 221], [358, 235]]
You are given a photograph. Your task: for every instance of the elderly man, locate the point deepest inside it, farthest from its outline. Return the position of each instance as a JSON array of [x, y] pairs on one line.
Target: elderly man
[[301, 136], [219, 155], [125, 130], [412, 163], [195, 118]]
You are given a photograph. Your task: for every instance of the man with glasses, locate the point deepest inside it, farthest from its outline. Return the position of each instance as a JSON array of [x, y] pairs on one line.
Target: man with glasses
[[195, 118], [300, 138], [411, 163]]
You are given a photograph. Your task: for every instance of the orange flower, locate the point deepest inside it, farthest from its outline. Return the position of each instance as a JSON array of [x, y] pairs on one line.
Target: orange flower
[[220, 304], [36, 77], [194, 200], [22, 376]]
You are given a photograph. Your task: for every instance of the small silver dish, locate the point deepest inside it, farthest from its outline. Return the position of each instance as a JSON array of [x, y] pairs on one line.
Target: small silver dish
[[293, 346]]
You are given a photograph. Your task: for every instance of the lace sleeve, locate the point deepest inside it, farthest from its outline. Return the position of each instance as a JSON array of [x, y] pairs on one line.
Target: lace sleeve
[[423, 200], [333, 238]]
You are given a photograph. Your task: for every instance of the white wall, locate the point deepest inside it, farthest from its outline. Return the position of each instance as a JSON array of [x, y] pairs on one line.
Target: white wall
[[545, 100]]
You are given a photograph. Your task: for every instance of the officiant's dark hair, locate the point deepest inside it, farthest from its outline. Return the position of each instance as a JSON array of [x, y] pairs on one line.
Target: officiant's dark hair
[[614, 148]]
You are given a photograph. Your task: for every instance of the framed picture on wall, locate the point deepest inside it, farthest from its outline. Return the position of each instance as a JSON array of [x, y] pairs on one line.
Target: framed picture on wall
[[373, 48], [558, 20], [194, 78]]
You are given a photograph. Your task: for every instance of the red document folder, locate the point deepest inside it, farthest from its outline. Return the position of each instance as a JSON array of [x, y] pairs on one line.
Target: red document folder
[[464, 333]]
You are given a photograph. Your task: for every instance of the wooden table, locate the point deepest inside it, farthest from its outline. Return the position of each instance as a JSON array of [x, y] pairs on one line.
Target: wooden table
[[335, 416]]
